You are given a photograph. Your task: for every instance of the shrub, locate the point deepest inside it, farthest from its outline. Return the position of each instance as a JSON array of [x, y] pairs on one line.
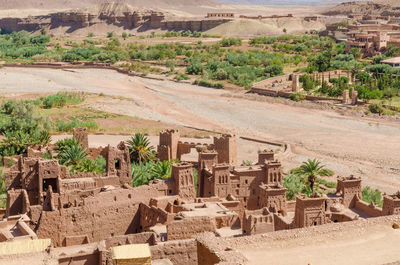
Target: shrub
[[68, 126], [297, 96], [60, 100], [180, 77], [228, 42], [294, 185], [21, 128], [195, 68], [209, 84], [221, 74], [372, 196], [376, 108]]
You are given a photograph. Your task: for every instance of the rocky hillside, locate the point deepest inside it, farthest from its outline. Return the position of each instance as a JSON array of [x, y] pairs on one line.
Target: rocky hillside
[[379, 7]]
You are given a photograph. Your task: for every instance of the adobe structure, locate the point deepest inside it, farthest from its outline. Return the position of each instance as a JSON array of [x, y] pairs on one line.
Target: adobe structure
[[81, 218], [211, 15]]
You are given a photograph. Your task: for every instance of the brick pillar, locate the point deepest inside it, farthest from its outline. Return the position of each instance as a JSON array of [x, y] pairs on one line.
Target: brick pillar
[[295, 83], [354, 97]]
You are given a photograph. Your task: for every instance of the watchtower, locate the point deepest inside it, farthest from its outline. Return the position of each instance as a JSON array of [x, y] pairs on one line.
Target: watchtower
[[350, 190], [182, 174]]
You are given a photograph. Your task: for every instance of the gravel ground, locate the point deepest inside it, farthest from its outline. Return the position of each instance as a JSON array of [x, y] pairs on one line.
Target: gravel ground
[[362, 146]]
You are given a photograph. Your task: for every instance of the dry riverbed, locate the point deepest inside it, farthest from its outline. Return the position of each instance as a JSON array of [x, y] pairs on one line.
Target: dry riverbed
[[361, 146]]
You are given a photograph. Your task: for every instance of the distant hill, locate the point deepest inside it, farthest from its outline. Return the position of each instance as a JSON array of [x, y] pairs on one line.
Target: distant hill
[[378, 7], [66, 4], [281, 2]]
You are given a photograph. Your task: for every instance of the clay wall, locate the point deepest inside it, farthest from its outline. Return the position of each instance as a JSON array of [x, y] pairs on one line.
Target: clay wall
[[189, 227], [245, 184], [96, 217], [17, 202], [118, 162], [81, 135], [225, 146], [273, 173], [273, 198], [309, 211], [168, 145], [182, 174], [141, 238], [150, 216], [280, 223], [350, 189], [221, 181], [258, 222], [181, 252], [391, 205], [266, 155], [369, 209], [206, 161]]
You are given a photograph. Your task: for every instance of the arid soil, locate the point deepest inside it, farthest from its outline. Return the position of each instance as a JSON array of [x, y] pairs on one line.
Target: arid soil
[[348, 145], [373, 246]]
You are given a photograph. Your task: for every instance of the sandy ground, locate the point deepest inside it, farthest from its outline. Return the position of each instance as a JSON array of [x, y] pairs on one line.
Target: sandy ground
[[372, 246], [348, 145]]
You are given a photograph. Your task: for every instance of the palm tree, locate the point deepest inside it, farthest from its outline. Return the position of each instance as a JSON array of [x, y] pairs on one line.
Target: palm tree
[[310, 170], [72, 156], [140, 149]]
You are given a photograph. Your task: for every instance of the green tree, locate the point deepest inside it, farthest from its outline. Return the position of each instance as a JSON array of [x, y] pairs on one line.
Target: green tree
[[140, 149], [310, 170], [72, 156]]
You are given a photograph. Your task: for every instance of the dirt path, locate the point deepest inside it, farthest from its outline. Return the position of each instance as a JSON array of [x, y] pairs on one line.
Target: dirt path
[[347, 145]]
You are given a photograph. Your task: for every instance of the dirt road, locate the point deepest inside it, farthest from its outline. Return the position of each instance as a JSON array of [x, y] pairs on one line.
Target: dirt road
[[347, 145]]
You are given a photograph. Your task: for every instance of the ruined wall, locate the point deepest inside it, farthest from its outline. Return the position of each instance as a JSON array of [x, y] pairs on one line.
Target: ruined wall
[[181, 252], [96, 218], [118, 162], [150, 216], [189, 227]]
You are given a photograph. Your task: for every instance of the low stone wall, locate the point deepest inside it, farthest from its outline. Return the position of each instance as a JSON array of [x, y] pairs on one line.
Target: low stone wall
[[286, 94]]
